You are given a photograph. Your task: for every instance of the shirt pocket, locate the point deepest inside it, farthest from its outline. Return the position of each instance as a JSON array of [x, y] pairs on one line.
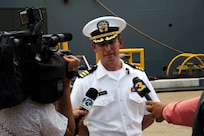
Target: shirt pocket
[[135, 97], [137, 104], [104, 100], [103, 109]]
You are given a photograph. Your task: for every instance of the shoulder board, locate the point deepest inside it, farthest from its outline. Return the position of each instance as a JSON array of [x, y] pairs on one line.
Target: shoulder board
[[134, 66], [87, 72]]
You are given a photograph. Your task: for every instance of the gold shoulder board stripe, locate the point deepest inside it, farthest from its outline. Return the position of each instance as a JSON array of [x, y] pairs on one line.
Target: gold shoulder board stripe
[[134, 66], [87, 72]]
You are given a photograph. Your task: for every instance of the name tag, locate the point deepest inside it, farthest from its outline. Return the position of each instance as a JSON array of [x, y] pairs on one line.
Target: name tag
[[102, 93]]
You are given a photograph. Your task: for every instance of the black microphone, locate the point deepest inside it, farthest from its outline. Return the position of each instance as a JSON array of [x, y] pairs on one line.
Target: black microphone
[[86, 104], [89, 99], [141, 88]]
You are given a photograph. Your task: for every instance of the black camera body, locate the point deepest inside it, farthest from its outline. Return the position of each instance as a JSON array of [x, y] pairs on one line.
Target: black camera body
[[30, 16], [30, 63]]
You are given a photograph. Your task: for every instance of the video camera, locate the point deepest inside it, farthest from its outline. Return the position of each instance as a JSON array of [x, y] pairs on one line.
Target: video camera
[[31, 62], [33, 37]]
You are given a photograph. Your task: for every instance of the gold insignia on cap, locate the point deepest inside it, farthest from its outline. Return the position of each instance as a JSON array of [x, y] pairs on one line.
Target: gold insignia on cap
[[103, 26], [111, 37], [106, 38], [96, 38]]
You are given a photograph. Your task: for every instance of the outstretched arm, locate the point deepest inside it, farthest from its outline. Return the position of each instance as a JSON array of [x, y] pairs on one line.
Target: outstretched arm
[[63, 105], [178, 113]]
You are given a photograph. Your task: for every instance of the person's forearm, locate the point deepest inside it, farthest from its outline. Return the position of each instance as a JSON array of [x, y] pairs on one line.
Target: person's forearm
[[63, 105], [147, 121], [182, 112]]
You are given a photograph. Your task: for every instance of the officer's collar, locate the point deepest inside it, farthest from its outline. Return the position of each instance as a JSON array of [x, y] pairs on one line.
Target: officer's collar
[[101, 71]]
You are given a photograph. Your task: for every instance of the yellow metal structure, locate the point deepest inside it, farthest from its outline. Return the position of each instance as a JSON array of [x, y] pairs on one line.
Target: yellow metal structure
[[63, 45], [127, 51], [184, 63], [130, 52]]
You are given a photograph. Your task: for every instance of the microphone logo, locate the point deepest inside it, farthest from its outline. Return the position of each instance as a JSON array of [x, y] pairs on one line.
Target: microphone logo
[[87, 103], [140, 87]]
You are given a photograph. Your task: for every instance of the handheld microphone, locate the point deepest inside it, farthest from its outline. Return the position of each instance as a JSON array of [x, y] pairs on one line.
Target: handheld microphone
[[86, 104], [141, 88], [89, 99]]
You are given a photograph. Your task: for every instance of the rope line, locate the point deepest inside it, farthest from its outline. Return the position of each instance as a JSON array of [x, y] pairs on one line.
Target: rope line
[[140, 32]]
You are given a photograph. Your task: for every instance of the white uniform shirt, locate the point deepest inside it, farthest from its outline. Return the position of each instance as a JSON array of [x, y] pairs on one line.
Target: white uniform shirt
[[32, 119], [120, 111]]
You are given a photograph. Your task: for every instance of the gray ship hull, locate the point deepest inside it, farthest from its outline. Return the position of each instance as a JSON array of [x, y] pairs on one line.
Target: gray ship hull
[[177, 24]]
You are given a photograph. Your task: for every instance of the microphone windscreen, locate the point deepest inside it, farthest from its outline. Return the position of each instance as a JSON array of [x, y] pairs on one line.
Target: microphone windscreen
[[92, 93], [135, 80]]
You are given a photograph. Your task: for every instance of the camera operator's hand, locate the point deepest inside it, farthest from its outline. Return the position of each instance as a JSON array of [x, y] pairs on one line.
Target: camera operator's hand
[[72, 68], [63, 105], [156, 109], [73, 62]]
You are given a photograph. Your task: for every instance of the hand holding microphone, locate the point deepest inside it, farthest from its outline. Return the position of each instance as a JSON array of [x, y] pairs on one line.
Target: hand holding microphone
[[141, 88], [156, 109], [86, 104]]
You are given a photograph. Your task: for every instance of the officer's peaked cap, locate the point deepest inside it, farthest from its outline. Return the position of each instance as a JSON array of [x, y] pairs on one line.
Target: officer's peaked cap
[[104, 28]]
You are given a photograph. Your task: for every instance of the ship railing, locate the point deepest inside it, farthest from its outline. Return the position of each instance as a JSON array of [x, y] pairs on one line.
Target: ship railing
[[128, 54], [185, 65], [125, 54]]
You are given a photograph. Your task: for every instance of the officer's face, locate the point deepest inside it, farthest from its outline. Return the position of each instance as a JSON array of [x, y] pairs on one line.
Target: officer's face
[[108, 51]]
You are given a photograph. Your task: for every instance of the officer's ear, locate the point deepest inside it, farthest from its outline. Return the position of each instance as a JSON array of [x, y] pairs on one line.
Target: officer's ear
[[94, 47]]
